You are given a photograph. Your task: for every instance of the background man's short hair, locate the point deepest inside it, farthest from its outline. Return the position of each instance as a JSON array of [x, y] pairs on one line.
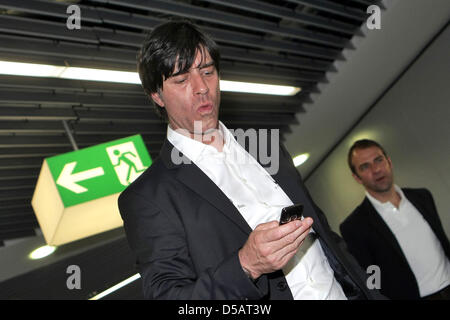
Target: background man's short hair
[[171, 46], [362, 144]]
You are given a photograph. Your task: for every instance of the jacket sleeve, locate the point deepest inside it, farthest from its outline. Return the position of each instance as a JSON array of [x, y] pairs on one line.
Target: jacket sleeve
[[356, 244], [159, 243]]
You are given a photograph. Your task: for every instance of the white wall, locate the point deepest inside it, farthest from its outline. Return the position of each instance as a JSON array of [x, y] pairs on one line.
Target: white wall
[[412, 122]]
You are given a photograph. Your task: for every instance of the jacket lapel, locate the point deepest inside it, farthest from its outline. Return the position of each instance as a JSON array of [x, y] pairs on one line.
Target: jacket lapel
[[195, 179], [429, 213], [422, 208], [381, 227]]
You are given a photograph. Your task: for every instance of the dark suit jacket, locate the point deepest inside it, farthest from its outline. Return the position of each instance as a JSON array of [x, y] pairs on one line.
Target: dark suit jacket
[[186, 235], [371, 242]]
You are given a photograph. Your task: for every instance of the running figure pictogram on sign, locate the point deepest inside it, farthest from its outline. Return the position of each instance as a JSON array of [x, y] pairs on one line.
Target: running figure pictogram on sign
[[126, 162]]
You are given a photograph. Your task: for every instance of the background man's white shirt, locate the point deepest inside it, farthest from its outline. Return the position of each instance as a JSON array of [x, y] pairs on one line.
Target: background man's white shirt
[[421, 247]]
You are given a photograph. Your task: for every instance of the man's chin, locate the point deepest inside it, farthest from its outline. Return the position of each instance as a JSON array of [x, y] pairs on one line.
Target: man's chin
[[382, 188]]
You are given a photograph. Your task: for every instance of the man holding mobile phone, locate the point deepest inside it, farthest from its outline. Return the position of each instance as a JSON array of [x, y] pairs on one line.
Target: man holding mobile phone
[[206, 226]]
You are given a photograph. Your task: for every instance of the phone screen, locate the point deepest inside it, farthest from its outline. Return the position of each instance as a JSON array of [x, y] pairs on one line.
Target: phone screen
[[291, 213]]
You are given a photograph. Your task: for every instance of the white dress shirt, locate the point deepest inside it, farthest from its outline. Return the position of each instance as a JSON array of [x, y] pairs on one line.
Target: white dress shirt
[[421, 247], [259, 199]]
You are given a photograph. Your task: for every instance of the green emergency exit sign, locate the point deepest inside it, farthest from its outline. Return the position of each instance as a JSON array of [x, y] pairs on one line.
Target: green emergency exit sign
[[98, 171], [76, 192]]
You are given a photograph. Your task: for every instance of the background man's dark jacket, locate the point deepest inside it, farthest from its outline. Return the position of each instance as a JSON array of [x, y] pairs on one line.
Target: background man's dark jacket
[[186, 235], [372, 242]]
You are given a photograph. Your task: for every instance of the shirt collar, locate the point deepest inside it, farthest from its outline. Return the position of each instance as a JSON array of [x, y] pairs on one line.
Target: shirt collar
[[193, 148], [383, 205], [227, 137]]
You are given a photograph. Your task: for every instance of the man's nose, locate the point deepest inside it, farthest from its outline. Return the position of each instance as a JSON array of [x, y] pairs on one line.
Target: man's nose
[[376, 167], [199, 85]]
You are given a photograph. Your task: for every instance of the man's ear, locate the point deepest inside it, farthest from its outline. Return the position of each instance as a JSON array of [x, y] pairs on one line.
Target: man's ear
[[157, 98], [355, 176]]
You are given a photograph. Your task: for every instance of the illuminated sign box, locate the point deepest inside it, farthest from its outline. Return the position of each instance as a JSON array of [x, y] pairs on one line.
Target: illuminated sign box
[[76, 192]]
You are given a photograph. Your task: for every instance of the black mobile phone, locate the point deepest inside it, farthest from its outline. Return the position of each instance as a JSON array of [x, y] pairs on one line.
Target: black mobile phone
[[291, 213]]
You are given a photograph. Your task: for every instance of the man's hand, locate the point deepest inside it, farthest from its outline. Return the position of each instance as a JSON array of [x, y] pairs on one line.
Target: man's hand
[[270, 246]]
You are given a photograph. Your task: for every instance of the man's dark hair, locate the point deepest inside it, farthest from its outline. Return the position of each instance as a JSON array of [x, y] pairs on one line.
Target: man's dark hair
[[362, 144], [171, 46]]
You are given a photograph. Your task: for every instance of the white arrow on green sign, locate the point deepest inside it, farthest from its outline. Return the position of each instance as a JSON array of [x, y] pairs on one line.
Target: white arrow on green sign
[[68, 179]]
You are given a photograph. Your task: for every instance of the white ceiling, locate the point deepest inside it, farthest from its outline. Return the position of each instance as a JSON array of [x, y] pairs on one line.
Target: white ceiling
[[378, 57]]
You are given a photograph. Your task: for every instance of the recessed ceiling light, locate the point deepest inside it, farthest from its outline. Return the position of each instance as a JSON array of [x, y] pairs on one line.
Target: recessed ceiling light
[[41, 70], [298, 160], [42, 252], [259, 88], [116, 287]]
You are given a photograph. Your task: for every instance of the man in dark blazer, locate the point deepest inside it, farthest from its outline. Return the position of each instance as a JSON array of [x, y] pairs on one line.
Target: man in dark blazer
[[398, 230], [190, 239]]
